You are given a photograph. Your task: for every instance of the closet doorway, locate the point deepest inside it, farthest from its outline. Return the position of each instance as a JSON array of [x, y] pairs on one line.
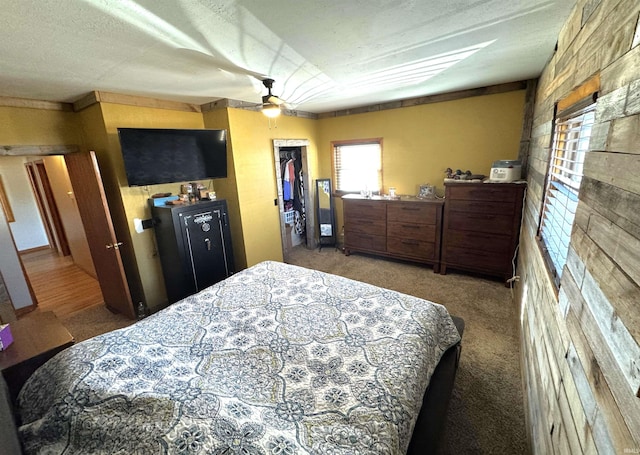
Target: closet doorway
[[297, 219]]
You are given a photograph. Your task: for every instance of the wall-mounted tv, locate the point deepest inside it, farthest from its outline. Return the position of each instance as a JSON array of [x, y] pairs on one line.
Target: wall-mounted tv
[[153, 156]]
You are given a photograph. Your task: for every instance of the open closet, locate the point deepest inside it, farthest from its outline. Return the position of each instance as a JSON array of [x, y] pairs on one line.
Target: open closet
[[293, 196]]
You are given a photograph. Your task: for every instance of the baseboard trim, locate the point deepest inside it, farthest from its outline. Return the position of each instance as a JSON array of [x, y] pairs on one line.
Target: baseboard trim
[[37, 248], [25, 310]]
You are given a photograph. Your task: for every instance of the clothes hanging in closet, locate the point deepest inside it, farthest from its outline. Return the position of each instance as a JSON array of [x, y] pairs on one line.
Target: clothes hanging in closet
[[293, 190], [288, 180]]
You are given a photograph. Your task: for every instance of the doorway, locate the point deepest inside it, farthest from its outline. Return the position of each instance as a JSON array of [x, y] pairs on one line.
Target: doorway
[[57, 267], [297, 220], [47, 206], [83, 188], [58, 283]]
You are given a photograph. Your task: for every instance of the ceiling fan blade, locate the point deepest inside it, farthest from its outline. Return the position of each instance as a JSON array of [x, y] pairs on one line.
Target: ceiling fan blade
[[275, 100]]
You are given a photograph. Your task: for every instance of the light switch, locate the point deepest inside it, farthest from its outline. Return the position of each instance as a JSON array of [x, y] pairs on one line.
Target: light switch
[[137, 223]]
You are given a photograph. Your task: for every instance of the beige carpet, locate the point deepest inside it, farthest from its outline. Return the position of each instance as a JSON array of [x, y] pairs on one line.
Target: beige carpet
[[92, 321], [486, 413]]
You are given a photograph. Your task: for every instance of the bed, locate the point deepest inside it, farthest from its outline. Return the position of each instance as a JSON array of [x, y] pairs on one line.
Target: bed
[[276, 359]]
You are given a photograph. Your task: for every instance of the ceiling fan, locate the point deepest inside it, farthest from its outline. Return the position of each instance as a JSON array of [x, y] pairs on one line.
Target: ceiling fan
[[271, 104]]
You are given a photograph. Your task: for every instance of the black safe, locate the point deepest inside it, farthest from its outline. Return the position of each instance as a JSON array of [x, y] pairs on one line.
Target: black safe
[[194, 243]]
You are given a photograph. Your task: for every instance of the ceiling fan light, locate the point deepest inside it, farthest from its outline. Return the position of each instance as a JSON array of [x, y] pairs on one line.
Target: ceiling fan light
[[271, 110]]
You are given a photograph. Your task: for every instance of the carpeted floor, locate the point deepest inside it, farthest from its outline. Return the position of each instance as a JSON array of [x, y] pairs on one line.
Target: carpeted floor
[[92, 321], [486, 414]]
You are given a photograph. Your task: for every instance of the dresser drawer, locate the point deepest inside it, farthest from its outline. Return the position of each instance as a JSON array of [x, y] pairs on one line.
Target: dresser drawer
[[358, 240], [418, 249], [481, 192], [480, 222], [412, 212], [474, 259], [365, 210], [494, 243], [366, 226], [493, 207], [425, 232]]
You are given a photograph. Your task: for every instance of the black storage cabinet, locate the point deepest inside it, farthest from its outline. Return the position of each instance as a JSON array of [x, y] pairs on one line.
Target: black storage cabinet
[[194, 243]]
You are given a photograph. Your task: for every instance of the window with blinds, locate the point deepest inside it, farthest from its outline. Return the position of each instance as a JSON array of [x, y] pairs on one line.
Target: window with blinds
[[570, 145], [357, 166]]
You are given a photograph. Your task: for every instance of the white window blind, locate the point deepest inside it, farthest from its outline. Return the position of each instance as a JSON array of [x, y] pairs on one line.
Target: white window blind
[[570, 145], [358, 166]]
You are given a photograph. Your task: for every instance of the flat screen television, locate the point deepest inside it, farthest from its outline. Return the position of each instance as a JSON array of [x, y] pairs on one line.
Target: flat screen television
[[153, 156]]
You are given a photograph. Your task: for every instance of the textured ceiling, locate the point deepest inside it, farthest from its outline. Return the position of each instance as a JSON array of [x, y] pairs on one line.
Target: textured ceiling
[[323, 54]]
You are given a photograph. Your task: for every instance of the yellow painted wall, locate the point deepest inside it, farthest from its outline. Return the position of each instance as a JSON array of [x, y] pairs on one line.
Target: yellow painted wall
[[135, 199], [24, 126], [252, 136], [420, 142], [227, 188]]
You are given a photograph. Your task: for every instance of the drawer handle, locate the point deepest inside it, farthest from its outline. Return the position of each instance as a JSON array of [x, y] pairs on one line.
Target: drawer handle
[[411, 209], [410, 242], [410, 226]]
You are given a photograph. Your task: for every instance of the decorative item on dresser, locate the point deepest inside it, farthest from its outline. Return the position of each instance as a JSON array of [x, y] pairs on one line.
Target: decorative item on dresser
[[481, 227], [405, 228]]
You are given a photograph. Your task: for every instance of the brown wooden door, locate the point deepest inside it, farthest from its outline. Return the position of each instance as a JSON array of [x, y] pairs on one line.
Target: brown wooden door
[[96, 218]]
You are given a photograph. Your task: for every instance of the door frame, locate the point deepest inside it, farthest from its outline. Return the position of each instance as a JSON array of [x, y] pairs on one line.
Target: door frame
[[41, 186], [306, 181]]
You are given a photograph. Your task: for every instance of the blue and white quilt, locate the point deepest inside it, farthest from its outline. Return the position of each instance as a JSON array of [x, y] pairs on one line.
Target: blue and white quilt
[[276, 359]]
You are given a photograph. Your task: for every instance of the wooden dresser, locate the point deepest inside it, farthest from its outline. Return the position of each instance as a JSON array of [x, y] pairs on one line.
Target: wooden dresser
[[407, 228], [481, 227]]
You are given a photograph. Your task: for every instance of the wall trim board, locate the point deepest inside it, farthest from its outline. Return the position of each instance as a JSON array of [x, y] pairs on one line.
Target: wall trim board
[[37, 150], [25, 310], [430, 99], [96, 97], [7, 101], [35, 249], [586, 89], [132, 100]]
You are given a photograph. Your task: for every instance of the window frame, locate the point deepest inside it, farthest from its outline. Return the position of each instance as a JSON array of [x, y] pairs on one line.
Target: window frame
[[573, 113], [350, 142]]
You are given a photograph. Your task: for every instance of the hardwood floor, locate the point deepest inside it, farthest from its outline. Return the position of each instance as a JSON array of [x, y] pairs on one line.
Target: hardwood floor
[[60, 285]]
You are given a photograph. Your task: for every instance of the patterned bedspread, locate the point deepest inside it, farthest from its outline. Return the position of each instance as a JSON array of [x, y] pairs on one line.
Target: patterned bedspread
[[276, 359]]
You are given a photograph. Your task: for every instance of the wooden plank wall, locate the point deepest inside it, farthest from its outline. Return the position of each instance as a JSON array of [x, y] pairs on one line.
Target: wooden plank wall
[[580, 352]]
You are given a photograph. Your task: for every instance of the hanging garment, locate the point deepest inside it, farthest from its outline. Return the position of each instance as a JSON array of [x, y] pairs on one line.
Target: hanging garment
[[286, 182], [300, 218]]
